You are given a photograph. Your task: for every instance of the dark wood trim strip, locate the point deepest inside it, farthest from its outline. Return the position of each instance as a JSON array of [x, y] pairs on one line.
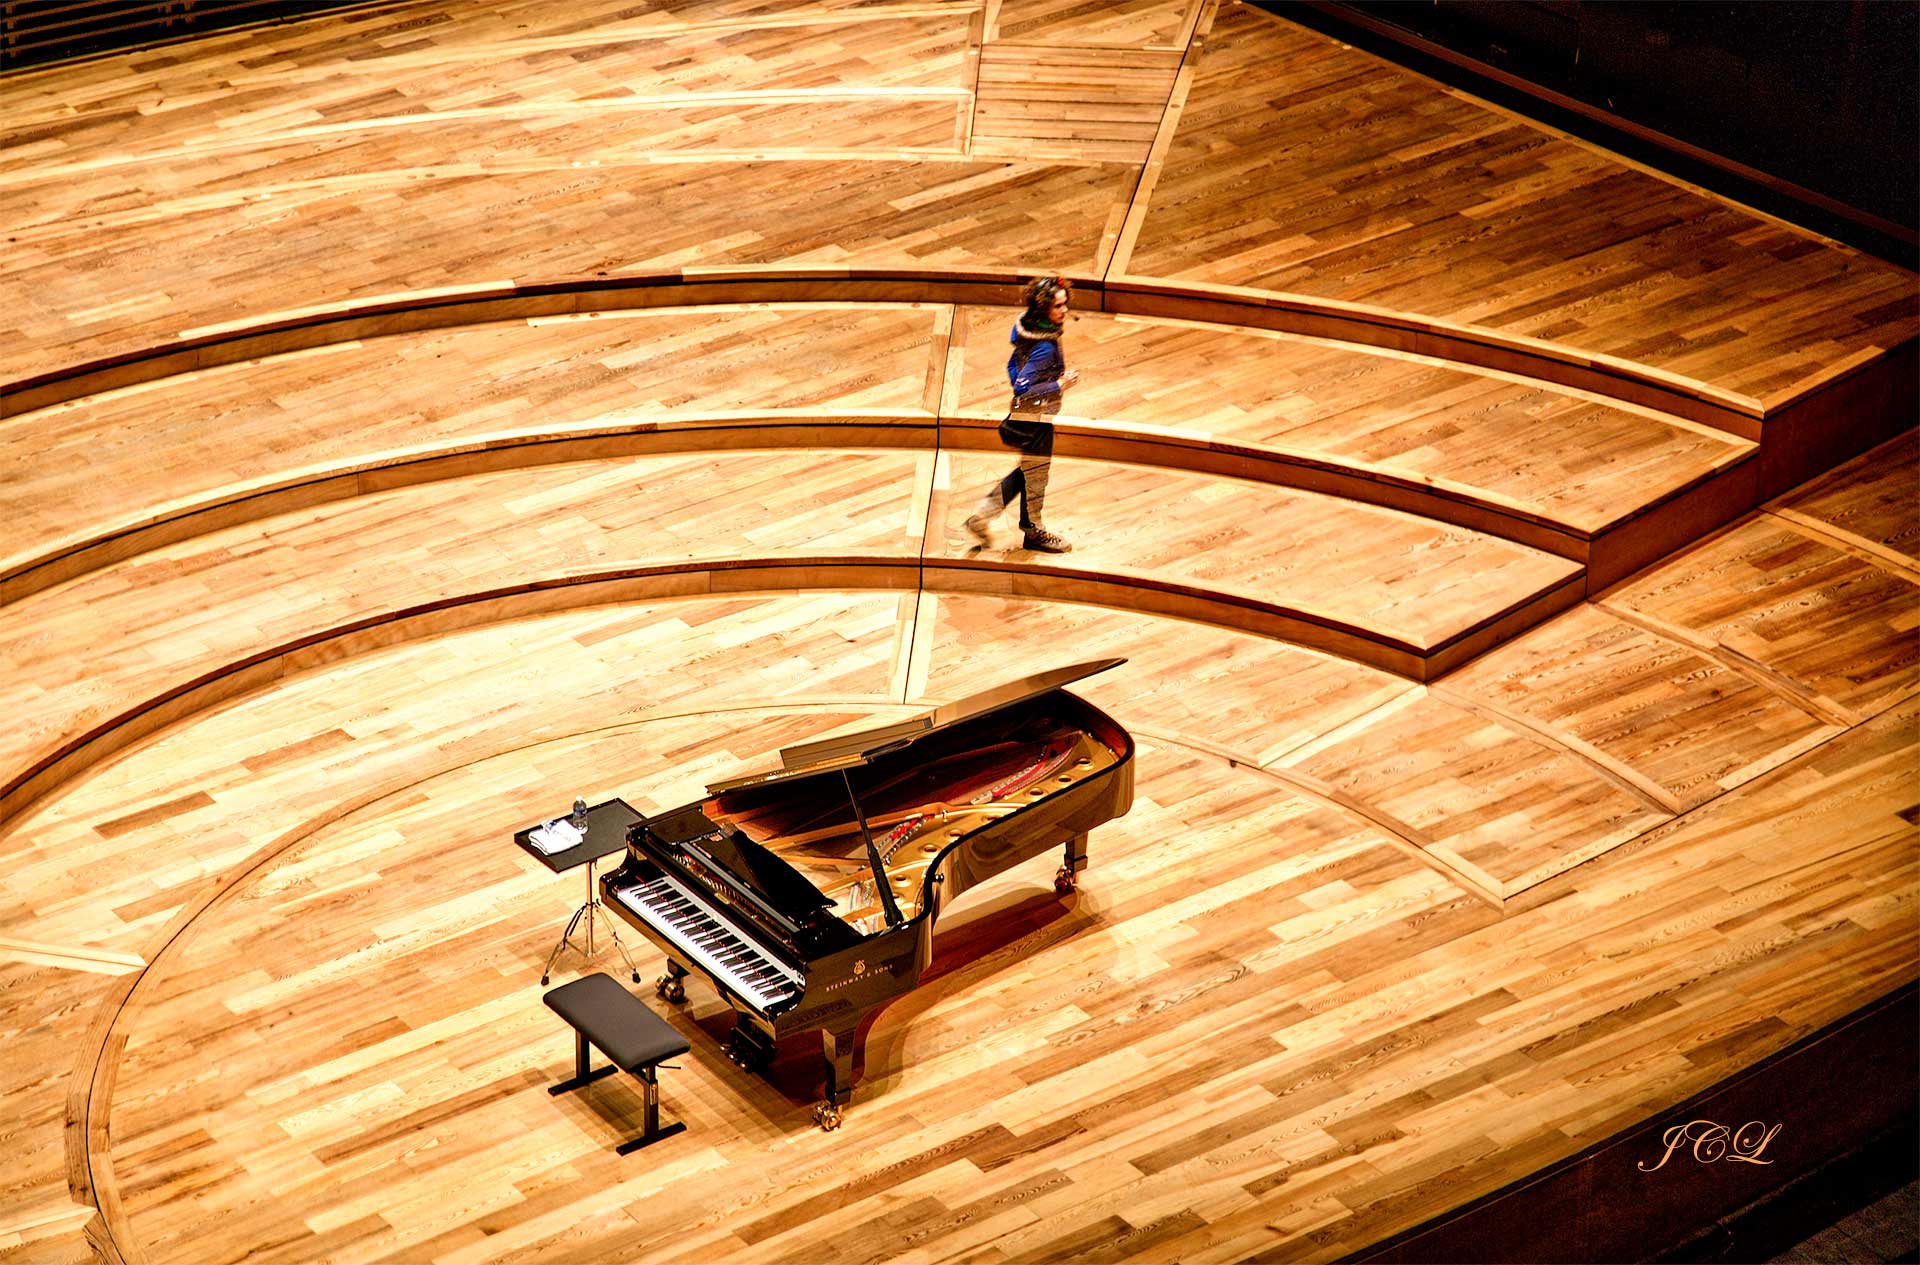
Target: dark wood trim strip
[[719, 432], [1605, 1205], [271, 334], [143, 717], [682, 433]]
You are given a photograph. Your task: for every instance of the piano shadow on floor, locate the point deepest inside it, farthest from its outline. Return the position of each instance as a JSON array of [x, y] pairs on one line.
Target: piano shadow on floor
[[968, 951]]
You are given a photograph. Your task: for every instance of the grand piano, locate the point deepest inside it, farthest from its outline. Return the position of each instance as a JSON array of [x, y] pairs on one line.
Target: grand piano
[[807, 895]]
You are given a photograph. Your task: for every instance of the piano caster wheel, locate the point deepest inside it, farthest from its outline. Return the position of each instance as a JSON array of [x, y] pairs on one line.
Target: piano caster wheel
[[827, 1116], [668, 987], [1065, 882]]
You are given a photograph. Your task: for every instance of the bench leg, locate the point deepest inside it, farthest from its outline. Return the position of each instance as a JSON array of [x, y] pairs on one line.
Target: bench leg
[[582, 1074], [653, 1132]]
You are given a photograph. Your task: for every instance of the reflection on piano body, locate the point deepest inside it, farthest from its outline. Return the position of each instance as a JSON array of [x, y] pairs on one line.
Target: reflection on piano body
[[807, 895]]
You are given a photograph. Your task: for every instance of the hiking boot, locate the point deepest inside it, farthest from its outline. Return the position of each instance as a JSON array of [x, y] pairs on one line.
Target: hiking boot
[[977, 526], [1040, 540]]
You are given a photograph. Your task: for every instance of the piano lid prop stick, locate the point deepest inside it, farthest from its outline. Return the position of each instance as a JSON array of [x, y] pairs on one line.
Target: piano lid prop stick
[[873, 857]]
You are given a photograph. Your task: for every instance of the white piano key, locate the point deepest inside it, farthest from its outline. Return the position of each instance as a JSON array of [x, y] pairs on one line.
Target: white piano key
[[669, 909]]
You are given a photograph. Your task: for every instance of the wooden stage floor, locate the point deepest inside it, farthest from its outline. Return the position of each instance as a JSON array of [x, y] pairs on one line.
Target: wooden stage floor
[[418, 416]]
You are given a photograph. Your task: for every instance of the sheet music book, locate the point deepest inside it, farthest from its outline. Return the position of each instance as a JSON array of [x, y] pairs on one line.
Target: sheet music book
[[555, 836]]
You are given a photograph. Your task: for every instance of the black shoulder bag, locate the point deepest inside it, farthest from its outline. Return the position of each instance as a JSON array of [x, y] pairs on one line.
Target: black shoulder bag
[[1025, 433]]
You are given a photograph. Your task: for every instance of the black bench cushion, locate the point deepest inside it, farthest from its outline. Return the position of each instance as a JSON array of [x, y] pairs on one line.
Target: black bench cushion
[[618, 1024]]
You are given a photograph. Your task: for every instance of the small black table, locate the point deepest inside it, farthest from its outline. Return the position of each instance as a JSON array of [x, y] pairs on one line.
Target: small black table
[[606, 834]]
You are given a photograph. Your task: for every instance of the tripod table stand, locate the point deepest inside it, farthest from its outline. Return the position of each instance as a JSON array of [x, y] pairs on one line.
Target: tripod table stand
[[606, 833]]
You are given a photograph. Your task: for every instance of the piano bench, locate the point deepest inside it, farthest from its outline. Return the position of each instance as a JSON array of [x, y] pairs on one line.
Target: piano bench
[[620, 1025]]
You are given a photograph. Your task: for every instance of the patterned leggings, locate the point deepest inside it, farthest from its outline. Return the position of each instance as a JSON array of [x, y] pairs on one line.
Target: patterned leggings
[[1028, 481]]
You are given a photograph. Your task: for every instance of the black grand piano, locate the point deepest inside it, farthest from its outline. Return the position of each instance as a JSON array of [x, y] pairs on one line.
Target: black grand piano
[[807, 895]]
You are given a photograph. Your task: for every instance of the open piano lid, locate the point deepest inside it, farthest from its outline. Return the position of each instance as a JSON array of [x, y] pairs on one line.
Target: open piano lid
[[850, 750]]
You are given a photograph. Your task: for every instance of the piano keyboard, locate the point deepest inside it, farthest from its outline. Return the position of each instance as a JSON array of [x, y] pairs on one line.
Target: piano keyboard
[[668, 909]]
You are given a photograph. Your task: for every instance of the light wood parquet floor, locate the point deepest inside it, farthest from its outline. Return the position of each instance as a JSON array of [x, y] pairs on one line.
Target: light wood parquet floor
[[226, 604], [1233, 1041], [210, 191], [295, 643], [252, 438], [1360, 182]]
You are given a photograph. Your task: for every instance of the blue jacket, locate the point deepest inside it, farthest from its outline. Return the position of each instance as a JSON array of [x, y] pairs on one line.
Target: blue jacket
[[1035, 367]]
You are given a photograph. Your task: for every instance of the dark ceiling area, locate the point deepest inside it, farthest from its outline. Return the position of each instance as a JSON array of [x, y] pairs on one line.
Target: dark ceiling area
[[1806, 109], [36, 32]]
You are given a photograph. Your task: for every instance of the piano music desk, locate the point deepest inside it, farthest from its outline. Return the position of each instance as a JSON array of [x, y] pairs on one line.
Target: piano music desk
[[607, 824], [620, 1025]]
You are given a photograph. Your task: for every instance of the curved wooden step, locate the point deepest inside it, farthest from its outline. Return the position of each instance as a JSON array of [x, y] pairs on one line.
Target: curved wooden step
[[1451, 223], [111, 474], [225, 612], [274, 332]]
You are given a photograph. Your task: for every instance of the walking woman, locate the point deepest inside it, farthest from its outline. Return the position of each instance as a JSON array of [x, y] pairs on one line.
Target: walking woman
[[1040, 376]]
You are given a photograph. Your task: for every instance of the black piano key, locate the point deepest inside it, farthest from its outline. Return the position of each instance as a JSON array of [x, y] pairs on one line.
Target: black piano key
[[697, 926]]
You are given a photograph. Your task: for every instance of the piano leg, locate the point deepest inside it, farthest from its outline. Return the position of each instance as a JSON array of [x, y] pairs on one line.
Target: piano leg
[[1075, 861], [672, 985], [837, 1047]]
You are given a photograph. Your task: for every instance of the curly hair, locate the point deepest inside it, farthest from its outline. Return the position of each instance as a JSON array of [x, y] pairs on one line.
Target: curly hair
[[1040, 290]]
